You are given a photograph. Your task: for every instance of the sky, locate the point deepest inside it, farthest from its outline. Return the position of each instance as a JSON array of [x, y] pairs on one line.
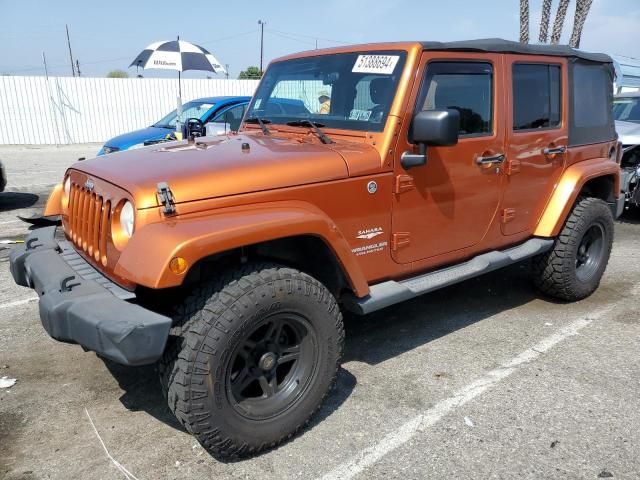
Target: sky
[[107, 35]]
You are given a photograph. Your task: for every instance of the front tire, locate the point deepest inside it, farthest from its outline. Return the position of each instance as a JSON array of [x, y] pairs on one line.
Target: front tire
[[572, 270], [255, 359]]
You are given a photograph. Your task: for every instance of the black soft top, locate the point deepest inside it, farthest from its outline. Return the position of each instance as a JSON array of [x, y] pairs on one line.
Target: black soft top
[[499, 45]]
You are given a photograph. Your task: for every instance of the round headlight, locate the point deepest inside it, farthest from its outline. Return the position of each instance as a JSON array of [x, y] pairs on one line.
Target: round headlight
[[127, 219], [66, 192]]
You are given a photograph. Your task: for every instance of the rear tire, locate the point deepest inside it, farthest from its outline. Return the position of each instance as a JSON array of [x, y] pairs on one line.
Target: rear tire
[[256, 355], [573, 268]]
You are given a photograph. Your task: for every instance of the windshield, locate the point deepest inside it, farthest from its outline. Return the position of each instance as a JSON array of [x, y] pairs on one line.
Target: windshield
[[347, 90], [194, 109], [627, 109]]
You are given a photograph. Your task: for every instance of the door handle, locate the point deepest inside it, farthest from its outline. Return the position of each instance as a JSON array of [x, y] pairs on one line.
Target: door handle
[[554, 150], [490, 159]]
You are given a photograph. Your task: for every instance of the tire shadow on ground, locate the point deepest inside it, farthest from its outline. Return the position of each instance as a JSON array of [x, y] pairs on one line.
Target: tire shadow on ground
[[16, 200], [390, 332], [631, 215], [142, 391]]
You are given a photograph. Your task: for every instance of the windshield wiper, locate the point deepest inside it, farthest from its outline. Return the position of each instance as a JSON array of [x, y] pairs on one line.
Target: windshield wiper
[[261, 122], [316, 127]]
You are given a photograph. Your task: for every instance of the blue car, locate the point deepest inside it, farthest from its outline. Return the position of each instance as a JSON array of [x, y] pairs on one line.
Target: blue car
[[220, 110]]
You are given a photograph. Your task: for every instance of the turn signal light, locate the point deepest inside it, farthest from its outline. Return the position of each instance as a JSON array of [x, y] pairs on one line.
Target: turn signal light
[[178, 265]]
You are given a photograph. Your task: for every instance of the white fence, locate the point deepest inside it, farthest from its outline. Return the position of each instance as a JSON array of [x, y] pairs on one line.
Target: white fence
[[64, 110]]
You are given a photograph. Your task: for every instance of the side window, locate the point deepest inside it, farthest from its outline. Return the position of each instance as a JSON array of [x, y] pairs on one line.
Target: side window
[[536, 96], [231, 116], [463, 86], [591, 83]]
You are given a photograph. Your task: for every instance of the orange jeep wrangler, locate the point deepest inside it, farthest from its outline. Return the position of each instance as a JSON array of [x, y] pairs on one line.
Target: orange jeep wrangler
[[362, 176]]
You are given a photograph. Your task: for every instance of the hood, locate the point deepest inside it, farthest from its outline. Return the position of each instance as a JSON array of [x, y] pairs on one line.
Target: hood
[[127, 140], [220, 166], [628, 132]]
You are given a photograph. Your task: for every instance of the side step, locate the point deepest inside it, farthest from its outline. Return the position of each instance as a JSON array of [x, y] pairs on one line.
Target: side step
[[388, 293]]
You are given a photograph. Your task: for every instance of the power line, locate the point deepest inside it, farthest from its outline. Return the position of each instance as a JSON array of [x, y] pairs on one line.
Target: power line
[[313, 37], [96, 62], [229, 37], [289, 38]]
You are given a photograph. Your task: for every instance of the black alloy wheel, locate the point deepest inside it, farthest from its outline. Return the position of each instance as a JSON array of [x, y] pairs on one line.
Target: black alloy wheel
[[272, 366], [590, 252]]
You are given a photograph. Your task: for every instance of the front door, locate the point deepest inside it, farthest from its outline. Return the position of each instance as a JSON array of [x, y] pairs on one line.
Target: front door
[[536, 138], [449, 203]]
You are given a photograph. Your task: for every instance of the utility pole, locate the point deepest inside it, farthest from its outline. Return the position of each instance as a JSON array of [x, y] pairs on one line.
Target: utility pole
[[73, 71], [262, 23]]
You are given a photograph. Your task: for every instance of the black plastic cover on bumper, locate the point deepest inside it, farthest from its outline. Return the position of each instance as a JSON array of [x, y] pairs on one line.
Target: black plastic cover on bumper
[[80, 305]]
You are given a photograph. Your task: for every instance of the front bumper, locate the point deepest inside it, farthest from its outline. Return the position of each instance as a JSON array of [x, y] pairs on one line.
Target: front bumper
[[80, 305]]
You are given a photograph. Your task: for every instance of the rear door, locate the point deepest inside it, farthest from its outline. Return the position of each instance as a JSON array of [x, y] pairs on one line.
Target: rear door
[[536, 138], [449, 203]]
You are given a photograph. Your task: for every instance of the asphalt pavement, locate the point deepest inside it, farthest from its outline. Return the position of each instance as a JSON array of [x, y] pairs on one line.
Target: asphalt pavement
[[485, 379]]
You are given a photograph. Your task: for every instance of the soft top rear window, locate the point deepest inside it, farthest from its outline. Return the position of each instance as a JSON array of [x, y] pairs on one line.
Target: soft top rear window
[[591, 103]]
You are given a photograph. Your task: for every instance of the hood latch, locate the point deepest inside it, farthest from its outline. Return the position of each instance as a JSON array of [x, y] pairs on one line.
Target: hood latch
[[165, 197]]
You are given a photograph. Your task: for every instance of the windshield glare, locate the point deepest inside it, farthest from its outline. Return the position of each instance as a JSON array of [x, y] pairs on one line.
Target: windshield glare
[[627, 109], [348, 90], [192, 109]]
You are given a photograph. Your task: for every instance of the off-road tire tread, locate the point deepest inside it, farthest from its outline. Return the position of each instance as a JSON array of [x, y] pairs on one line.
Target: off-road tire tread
[[551, 273], [194, 320]]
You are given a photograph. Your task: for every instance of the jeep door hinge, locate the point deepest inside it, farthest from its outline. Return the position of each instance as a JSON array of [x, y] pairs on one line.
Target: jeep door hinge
[[400, 239], [513, 166], [165, 197], [404, 183], [508, 214]]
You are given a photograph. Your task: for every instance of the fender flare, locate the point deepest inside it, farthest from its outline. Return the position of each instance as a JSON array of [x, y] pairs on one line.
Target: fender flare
[[567, 190], [145, 260], [54, 202]]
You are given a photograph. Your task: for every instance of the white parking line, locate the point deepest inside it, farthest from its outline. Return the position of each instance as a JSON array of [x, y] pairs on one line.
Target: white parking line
[[17, 303], [17, 220], [369, 456]]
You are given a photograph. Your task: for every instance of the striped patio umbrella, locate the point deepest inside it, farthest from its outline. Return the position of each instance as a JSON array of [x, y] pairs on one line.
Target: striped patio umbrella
[[177, 55]]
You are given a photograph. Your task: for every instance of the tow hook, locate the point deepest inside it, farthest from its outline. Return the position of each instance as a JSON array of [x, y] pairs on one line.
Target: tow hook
[[66, 285], [30, 243]]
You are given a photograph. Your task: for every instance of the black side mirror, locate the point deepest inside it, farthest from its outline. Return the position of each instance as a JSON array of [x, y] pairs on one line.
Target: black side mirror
[[438, 128]]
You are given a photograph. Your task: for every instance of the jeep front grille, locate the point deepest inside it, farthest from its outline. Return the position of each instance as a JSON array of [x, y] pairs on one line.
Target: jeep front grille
[[89, 217]]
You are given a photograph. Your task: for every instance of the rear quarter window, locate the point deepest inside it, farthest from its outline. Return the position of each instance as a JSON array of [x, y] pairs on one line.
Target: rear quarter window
[[590, 103]]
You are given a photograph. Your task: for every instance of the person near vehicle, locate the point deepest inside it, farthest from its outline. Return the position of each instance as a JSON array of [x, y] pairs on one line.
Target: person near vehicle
[[325, 102]]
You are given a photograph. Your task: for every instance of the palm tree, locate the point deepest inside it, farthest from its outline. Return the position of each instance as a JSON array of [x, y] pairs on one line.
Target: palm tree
[[582, 10], [559, 21], [544, 21], [524, 21]]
